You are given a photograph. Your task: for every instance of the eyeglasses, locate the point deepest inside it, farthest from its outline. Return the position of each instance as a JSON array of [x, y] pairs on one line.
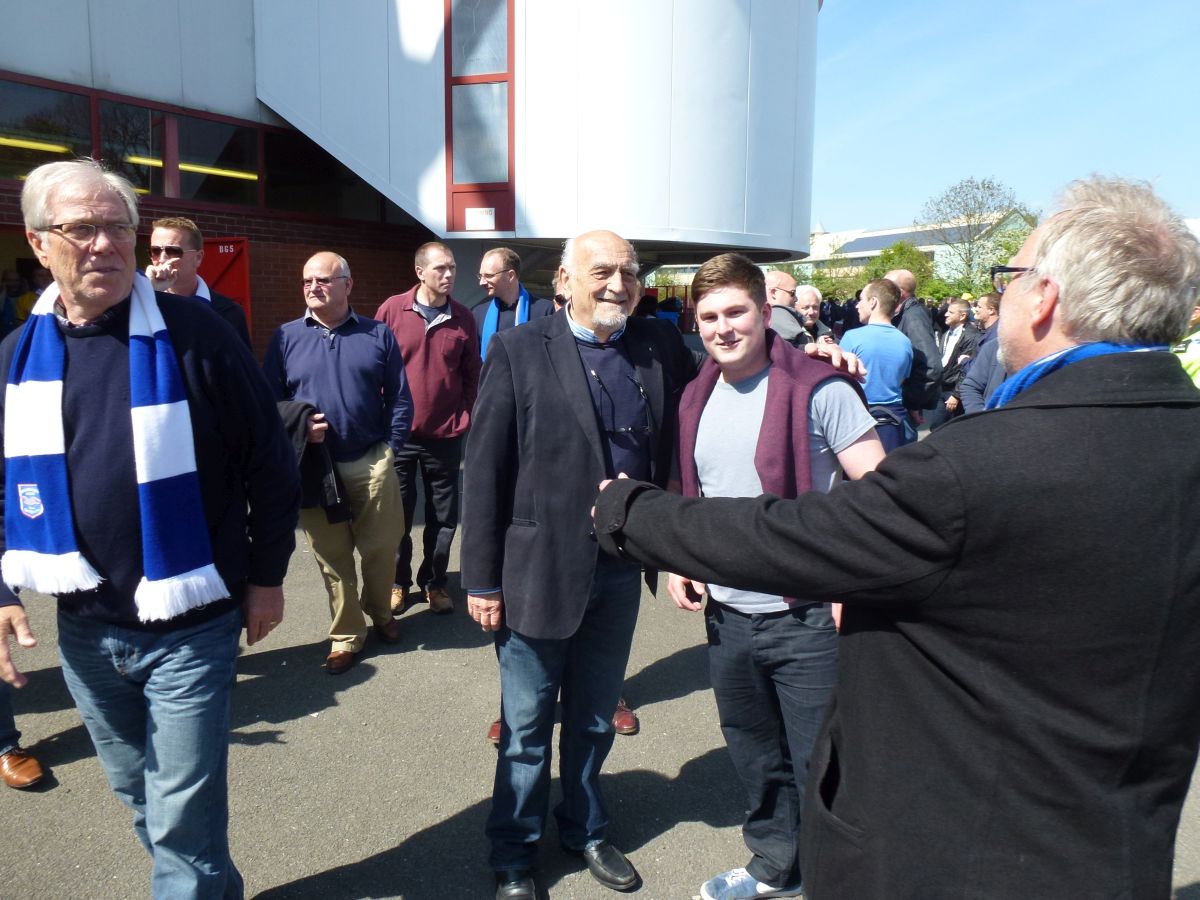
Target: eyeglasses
[[1003, 276], [488, 276], [323, 282], [171, 251], [610, 426], [85, 232], [791, 293]]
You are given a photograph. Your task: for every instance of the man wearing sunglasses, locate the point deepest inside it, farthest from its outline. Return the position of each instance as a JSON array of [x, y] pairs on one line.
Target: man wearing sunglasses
[[176, 251], [1017, 712]]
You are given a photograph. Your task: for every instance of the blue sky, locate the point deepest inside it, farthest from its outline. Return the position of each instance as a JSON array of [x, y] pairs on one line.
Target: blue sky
[[914, 95]]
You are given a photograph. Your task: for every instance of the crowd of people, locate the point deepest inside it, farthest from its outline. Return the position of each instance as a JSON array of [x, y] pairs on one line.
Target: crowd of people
[[941, 666]]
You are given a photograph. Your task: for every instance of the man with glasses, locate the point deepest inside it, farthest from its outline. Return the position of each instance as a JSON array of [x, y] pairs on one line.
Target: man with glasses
[[349, 370], [1017, 711], [176, 252], [781, 294], [149, 485], [509, 303]]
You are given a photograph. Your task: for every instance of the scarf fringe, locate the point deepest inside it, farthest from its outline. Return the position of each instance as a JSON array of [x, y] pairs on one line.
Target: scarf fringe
[[49, 573], [169, 597]]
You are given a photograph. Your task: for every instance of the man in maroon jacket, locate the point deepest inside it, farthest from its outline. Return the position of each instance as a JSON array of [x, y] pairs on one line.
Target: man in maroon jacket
[[440, 345]]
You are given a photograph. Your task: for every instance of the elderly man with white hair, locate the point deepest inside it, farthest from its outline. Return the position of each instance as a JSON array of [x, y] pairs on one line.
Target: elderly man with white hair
[[150, 486], [1018, 706]]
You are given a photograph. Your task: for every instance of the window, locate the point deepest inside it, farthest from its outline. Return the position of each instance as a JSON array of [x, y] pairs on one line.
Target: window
[[301, 176], [131, 142], [40, 125], [217, 162]]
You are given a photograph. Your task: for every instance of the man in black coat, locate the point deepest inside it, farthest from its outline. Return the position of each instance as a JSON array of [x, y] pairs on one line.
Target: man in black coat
[[957, 344], [176, 251], [911, 317], [1018, 706], [563, 402]]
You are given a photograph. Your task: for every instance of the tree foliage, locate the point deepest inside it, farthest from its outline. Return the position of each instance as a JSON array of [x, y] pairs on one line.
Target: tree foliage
[[900, 255], [964, 218]]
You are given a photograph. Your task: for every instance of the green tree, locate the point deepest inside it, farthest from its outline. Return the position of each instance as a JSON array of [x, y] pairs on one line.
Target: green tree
[[964, 218], [900, 255], [837, 278]]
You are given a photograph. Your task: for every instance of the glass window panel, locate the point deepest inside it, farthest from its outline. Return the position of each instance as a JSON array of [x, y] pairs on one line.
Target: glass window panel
[[40, 125], [131, 142], [479, 29], [217, 162], [302, 177], [480, 133]]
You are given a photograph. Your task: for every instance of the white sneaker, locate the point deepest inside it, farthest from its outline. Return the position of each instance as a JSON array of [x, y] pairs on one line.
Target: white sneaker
[[738, 884]]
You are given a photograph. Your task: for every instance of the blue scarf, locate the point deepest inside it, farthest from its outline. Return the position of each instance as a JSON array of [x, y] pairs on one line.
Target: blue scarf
[[1035, 371], [492, 320], [42, 553]]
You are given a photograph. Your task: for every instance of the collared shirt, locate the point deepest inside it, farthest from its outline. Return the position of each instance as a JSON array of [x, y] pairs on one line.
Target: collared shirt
[[352, 373], [585, 334], [949, 339]]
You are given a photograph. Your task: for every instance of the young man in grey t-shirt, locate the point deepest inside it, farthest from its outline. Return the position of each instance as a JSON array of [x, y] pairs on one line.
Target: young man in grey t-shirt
[[767, 419]]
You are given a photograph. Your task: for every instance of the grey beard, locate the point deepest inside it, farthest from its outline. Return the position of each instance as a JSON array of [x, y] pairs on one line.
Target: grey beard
[[610, 317]]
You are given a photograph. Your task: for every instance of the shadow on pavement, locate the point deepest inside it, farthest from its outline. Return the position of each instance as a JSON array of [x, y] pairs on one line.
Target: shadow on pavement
[[669, 678], [644, 805]]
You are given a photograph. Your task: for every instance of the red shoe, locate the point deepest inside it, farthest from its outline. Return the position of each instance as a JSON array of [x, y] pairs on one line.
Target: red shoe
[[625, 720]]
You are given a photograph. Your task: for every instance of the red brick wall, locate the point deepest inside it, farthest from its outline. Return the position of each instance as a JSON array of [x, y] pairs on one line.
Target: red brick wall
[[380, 256]]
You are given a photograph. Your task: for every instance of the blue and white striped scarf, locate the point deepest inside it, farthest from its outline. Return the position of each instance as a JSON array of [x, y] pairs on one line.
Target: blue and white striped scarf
[[42, 553]]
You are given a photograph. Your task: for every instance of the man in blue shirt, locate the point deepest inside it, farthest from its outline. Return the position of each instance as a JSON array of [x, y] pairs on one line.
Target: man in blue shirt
[[350, 370], [888, 356]]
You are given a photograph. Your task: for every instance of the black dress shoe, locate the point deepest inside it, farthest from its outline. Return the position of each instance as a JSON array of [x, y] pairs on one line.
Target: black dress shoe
[[609, 866], [515, 884]]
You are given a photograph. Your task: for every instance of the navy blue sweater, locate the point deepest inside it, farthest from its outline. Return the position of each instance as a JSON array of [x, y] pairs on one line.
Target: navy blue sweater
[[354, 374], [248, 474]]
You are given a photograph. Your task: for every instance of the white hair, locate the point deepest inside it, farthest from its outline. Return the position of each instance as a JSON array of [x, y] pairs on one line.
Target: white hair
[[77, 174], [1127, 268], [807, 289]]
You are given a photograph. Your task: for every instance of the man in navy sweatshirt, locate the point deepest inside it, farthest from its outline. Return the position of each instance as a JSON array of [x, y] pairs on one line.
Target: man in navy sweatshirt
[[150, 486]]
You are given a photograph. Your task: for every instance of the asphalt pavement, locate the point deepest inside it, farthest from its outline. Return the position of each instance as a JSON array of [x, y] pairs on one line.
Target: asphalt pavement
[[376, 783]]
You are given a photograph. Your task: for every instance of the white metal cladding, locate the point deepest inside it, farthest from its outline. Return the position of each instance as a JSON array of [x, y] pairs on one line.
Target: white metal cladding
[[667, 120]]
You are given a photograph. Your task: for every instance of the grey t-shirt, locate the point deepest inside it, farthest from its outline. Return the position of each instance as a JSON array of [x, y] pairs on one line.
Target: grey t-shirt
[[727, 438]]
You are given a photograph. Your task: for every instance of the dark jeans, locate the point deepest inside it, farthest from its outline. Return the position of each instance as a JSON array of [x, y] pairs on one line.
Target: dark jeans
[[10, 738], [438, 460], [772, 675], [939, 415], [589, 670]]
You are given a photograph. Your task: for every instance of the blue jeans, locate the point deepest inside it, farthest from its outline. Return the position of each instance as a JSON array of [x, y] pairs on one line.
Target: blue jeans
[[156, 705], [772, 675], [589, 670], [10, 738]]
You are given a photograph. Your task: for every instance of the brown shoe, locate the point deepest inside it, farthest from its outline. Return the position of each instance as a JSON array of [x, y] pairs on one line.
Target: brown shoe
[[493, 734], [389, 633], [19, 769], [439, 601], [625, 720], [338, 661], [399, 600]]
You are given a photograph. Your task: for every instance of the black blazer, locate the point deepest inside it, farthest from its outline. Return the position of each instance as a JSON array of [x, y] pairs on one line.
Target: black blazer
[[229, 310], [966, 345], [534, 460], [1018, 702]]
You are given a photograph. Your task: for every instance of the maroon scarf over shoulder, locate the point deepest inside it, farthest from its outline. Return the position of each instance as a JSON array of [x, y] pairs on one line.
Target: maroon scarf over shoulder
[[781, 455]]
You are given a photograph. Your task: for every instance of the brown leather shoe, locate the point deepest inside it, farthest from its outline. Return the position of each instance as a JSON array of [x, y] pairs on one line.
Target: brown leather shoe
[[338, 661], [389, 633], [19, 769], [399, 600], [625, 720], [439, 601], [493, 734]]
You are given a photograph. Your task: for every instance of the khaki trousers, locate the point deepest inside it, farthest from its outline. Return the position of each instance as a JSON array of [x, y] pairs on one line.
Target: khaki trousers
[[377, 527]]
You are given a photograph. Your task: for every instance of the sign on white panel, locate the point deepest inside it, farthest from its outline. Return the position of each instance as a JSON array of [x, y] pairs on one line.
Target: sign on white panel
[[481, 218]]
